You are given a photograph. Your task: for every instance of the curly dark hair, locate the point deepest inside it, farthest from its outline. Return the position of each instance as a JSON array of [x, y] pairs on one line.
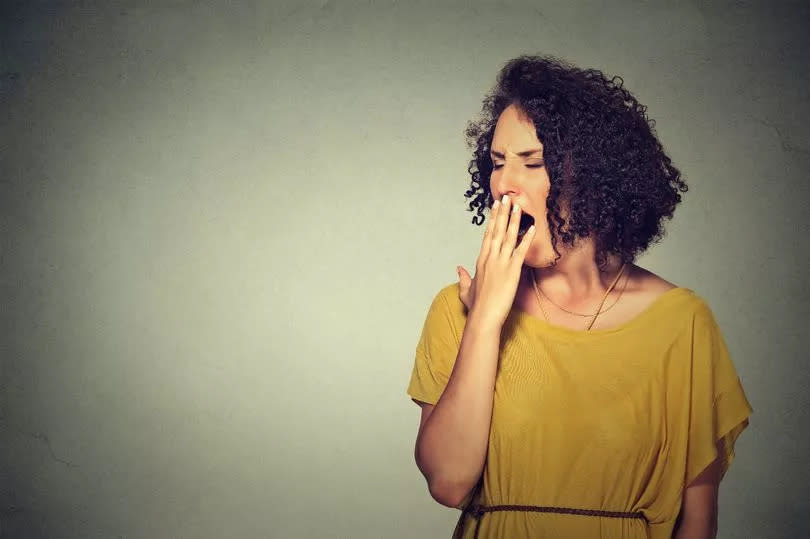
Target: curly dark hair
[[601, 151]]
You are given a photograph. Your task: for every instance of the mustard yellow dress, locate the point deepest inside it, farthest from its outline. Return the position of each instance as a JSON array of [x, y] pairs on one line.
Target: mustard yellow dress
[[617, 419]]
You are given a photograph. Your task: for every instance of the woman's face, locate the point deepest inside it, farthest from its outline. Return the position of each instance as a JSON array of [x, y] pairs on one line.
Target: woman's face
[[518, 171]]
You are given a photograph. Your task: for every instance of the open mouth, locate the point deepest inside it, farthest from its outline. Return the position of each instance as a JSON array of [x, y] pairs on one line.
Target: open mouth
[[526, 221]]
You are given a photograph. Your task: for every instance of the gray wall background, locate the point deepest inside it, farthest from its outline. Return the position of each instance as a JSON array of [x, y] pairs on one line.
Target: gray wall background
[[223, 224]]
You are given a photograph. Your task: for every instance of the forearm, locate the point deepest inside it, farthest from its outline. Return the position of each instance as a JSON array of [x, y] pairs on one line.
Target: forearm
[[695, 528], [452, 447]]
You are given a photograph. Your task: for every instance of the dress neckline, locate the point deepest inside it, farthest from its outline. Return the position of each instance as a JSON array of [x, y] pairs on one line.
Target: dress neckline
[[641, 317]]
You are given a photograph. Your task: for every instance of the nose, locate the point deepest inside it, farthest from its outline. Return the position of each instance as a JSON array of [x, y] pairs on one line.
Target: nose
[[507, 181]]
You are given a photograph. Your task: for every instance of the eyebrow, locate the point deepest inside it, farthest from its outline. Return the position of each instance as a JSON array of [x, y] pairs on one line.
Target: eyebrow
[[525, 153]]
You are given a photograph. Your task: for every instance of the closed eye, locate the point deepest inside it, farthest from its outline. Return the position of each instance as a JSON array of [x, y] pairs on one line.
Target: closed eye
[[496, 166]]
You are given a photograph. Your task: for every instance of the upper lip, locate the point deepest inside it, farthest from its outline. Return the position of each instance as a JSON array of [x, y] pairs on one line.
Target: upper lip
[[523, 208]]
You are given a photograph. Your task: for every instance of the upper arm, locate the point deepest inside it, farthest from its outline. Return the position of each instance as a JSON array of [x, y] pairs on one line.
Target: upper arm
[[427, 409], [699, 507], [438, 347]]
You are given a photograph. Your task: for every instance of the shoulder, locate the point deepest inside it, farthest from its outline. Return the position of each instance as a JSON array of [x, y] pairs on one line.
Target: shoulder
[[651, 287], [447, 312], [448, 299], [449, 291], [648, 282]]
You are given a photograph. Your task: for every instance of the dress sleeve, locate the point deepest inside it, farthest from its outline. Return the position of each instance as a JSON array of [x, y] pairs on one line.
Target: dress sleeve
[[719, 409], [438, 347]]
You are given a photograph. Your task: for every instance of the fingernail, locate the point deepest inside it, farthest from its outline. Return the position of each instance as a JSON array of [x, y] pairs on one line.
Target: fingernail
[[515, 208], [505, 199]]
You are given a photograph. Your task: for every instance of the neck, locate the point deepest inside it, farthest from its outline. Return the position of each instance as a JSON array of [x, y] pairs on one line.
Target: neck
[[576, 278]]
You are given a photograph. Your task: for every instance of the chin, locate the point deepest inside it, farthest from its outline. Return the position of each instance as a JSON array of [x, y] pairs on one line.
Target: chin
[[536, 259], [540, 254]]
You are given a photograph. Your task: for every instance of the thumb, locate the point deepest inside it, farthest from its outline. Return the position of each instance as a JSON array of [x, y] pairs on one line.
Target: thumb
[[464, 279]]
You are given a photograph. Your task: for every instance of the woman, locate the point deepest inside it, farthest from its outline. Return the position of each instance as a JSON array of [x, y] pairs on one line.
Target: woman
[[566, 391]]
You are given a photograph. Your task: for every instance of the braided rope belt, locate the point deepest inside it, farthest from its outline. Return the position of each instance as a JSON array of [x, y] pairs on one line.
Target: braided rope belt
[[478, 511]]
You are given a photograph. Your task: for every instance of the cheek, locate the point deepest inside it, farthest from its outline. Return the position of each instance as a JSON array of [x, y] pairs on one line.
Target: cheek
[[493, 182], [545, 182], [542, 190]]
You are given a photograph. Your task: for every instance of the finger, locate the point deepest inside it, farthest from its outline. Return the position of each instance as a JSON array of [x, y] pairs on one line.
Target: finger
[[464, 278], [510, 239], [519, 254], [486, 243], [500, 225]]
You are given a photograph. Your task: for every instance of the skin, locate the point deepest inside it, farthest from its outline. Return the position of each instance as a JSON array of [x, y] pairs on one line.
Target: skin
[[453, 434], [575, 281], [698, 517]]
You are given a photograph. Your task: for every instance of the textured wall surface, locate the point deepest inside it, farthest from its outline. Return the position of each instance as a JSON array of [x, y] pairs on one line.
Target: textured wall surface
[[222, 226]]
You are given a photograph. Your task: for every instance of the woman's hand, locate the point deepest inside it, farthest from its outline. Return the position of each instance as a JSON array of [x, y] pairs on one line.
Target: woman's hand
[[489, 295]]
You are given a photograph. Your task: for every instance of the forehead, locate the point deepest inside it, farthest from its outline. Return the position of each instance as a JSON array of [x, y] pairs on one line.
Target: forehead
[[514, 131]]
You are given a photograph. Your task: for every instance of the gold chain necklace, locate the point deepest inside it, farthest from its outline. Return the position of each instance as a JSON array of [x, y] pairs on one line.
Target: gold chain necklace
[[624, 287], [537, 293]]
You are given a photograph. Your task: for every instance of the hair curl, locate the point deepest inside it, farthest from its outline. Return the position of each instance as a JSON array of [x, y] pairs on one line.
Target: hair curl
[[600, 149]]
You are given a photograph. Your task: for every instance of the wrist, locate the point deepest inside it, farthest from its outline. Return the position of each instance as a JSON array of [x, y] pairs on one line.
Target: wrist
[[482, 323]]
